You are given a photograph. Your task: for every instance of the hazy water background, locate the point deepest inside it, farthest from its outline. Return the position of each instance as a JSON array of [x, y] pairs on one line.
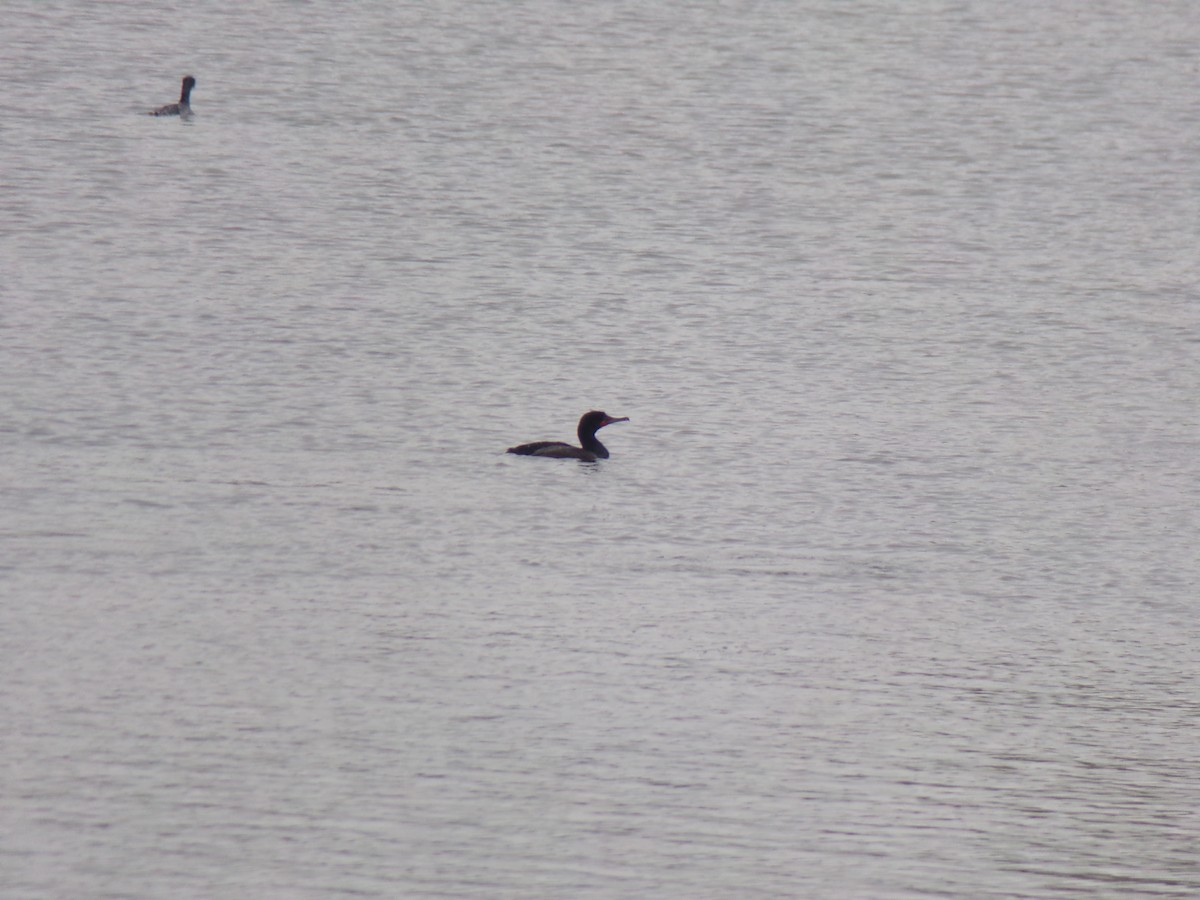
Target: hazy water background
[[889, 589]]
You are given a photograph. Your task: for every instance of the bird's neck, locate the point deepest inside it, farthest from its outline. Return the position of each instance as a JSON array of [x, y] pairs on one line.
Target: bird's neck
[[591, 444]]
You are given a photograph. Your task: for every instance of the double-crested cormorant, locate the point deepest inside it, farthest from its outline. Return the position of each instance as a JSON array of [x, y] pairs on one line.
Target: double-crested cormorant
[[183, 107], [590, 450]]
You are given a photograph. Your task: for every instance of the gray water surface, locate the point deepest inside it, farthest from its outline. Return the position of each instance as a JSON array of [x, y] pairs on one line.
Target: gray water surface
[[888, 590]]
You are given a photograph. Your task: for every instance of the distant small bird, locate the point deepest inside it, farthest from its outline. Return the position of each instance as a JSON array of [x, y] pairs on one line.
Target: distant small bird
[[183, 107], [591, 449]]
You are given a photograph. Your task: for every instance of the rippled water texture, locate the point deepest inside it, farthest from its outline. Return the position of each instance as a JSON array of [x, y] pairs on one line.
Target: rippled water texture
[[889, 588]]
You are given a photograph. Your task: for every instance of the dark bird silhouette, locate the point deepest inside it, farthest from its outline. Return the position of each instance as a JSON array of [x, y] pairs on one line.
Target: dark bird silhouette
[[184, 106], [590, 448]]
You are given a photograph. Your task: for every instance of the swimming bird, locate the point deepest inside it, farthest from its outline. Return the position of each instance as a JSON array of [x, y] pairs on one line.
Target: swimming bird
[[590, 450], [183, 107]]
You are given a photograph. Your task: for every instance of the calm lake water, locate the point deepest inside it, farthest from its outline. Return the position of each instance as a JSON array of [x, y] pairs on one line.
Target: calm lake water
[[890, 588]]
